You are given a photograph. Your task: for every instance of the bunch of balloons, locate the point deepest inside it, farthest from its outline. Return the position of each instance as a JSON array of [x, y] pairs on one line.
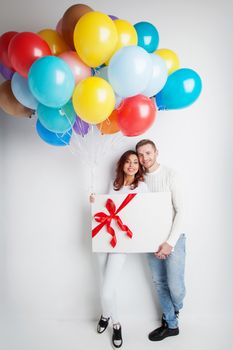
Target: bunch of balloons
[[93, 68]]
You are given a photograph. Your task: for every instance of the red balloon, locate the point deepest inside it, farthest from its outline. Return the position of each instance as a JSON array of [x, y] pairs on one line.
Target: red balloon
[[24, 49], [136, 114], [4, 43]]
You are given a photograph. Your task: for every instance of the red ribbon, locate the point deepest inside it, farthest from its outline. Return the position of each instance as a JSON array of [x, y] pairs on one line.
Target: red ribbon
[[105, 219]]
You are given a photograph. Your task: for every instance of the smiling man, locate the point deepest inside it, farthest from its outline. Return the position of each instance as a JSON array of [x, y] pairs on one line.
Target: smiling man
[[168, 263]]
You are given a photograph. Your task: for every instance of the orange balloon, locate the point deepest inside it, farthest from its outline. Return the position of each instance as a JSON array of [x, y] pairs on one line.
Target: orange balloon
[[70, 19], [56, 43], [9, 104], [109, 125]]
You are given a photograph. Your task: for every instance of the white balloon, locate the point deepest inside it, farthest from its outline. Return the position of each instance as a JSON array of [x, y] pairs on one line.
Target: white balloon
[[129, 71], [158, 77]]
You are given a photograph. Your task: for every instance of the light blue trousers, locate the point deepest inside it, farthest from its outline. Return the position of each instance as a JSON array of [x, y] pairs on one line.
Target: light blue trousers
[[110, 269], [168, 278]]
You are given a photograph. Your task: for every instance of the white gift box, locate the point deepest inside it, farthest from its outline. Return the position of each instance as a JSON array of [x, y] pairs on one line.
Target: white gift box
[[148, 216]]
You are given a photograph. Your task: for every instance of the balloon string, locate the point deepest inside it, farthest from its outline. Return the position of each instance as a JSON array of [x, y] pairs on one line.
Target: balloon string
[[33, 119], [93, 147], [80, 124], [76, 138]]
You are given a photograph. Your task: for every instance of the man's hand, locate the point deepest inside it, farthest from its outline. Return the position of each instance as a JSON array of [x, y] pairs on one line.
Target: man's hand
[[164, 251]]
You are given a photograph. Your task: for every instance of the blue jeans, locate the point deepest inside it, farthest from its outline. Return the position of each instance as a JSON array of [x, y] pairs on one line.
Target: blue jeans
[[168, 278]]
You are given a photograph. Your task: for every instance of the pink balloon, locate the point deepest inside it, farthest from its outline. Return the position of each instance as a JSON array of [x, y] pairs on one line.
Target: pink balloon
[[78, 68], [59, 27]]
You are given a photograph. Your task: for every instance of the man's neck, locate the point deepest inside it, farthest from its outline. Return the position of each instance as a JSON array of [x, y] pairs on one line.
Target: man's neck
[[153, 168]]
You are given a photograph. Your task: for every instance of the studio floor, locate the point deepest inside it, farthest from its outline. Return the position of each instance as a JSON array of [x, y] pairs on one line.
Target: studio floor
[[75, 335]]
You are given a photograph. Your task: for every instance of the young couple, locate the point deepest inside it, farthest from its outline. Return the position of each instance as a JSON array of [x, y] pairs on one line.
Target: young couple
[[140, 172]]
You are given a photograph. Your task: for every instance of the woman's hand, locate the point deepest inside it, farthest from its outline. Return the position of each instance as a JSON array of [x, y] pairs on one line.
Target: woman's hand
[[92, 198]]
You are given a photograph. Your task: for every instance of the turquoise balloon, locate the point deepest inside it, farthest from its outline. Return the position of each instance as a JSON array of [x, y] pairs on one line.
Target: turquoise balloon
[[57, 120], [21, 91], [148, 36], [52, 138], [182, 88], [51, 81], [129, 71]]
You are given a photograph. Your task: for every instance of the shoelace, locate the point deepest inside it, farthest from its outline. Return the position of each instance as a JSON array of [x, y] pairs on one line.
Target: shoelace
[[117, 333], [103, 321]]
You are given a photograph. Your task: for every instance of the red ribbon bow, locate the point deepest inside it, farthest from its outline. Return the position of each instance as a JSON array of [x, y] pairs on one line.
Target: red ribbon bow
[[105, 219]]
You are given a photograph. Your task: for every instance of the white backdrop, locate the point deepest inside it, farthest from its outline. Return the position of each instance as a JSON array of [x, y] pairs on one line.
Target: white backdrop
[[46, 266]]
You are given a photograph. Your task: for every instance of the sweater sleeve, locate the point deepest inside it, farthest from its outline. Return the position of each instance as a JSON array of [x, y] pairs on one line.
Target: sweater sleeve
[[177, 202]]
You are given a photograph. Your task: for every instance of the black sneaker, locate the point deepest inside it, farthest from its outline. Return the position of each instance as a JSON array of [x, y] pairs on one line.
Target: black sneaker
[[163, 332], [103, 324], [163, 321], [117, 340]]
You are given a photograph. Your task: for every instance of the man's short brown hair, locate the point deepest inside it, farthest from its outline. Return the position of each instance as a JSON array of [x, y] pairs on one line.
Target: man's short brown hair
[[145, 142]]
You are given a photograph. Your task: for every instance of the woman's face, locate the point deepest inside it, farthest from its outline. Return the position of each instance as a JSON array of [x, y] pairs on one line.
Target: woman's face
[[131, 165]]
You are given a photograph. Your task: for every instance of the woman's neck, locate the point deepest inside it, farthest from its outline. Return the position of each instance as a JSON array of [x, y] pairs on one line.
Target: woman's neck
[[128, 180]]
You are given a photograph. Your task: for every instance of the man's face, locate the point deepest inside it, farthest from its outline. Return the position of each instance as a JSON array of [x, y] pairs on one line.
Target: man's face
[[147, 155]]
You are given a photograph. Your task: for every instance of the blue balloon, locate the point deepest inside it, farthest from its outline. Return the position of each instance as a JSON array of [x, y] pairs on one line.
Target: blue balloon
[[57, 120], [51, 81], [102, 73], [182, 88], [129, 71], [96, 69], [52, 138], [21, 91], [148, 36]]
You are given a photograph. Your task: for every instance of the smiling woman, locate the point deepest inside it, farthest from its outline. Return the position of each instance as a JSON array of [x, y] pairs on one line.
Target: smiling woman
[[129, 179], [129, 172]]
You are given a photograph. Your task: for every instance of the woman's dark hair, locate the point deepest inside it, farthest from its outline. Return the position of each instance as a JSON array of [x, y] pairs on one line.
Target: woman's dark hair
[[119, 179]]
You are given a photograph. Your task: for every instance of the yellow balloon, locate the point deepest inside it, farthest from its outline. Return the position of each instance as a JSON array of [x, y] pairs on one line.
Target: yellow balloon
[[127, 35], [54, 40], [171, 59], [93, 100], [95, 38]]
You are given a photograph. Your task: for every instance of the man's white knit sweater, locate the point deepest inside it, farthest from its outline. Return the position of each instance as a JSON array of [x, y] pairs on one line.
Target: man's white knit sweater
[[164, 179]]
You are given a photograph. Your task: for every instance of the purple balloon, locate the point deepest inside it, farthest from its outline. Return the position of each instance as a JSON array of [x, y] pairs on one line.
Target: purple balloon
[[81, 127], [113, 17], [6, 72]]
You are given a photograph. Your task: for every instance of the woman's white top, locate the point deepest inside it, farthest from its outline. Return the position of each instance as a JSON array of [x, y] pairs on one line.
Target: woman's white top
[[142, 188]]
